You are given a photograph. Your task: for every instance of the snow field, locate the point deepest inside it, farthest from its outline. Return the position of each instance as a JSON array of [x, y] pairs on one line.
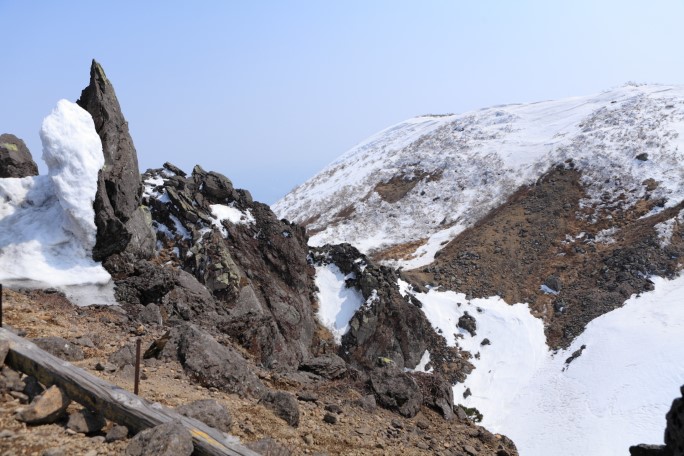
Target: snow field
[[336, 303]]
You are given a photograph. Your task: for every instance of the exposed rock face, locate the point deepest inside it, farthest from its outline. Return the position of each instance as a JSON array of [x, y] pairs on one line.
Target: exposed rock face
[[543, 236], [389, 325], [15, 158], [253, 266], [122, 225]]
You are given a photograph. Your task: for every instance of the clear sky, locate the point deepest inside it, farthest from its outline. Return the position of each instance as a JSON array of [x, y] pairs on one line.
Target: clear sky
[[269, 92]]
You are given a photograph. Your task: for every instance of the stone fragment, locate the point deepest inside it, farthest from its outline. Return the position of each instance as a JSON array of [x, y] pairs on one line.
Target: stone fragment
[[86, 422], [168, 439], [210, 412], [117, 432], [60, 348], [328, 366], [284, 405], [46, 408]]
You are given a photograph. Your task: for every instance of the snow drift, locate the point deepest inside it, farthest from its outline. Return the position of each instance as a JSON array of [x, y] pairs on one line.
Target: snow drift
[[47, 223]]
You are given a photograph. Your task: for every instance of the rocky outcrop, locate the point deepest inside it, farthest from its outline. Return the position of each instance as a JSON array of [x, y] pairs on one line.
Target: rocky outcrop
[[122, 224], [390, 326], [396, 390], [253, 265], [15, 158]]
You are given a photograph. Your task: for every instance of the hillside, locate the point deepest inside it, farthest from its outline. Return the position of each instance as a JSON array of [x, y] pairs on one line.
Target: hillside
[[542, 239]]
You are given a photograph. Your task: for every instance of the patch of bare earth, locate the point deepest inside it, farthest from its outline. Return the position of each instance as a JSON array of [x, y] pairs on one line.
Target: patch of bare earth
[[541, 235], [357, 431]]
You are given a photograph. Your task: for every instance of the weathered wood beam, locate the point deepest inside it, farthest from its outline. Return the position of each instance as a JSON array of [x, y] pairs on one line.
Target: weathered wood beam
[[113, 402]]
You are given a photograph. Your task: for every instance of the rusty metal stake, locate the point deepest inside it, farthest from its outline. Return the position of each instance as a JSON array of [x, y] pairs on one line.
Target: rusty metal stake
[[137, 366], [0, 305]]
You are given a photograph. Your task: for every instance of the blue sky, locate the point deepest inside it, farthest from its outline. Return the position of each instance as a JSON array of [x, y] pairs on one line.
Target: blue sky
[[269, 92]]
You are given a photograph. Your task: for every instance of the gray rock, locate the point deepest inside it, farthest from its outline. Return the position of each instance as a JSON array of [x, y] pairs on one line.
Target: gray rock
[[213, 364], [46, 408], [121, 224], [367, 403], [269, 447], [60, 348], [15, 158], [467, 322], [210, 412], [330, 418], [396, 390], [328, 366], [86, 422], [121, 357], [168, 439], [284, 405], [116, 433], [150, 315], [437, 393], [10, 379]]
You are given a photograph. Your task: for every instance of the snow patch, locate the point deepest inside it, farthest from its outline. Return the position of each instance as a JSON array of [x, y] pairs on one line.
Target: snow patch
[[233, 215], [336, 303]]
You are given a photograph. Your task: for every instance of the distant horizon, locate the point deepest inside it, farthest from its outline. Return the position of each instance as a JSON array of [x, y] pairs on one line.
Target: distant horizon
[[270, 93]]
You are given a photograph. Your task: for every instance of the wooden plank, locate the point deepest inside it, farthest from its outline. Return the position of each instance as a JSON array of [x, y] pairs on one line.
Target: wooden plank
[[113, 402]]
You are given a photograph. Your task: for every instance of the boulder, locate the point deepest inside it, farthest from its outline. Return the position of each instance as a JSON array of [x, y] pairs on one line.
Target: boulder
[[328, 366], [648, 450], [284, 405], [121, 223], [210, 412], [86, 422], [467, 322], [168, 439], [60, 348], [15, 158], [46, 408], [123, 356], [396, 390], [212, 364], [437, 393]]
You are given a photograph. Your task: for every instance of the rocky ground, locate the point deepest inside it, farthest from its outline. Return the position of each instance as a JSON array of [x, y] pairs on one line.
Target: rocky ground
[[336, 417]]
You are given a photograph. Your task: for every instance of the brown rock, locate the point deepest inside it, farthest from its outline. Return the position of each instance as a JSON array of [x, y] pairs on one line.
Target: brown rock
[[86, 422], [15, 158], [46, 408]]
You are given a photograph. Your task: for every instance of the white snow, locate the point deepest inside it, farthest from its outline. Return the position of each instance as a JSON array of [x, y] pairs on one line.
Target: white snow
[[336, 303], [47, 227], [614, 395], [232, 214], [484, 156]]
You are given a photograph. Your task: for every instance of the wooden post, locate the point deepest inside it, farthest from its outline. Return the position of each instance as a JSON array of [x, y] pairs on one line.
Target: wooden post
[[116, 404], [136, 383]]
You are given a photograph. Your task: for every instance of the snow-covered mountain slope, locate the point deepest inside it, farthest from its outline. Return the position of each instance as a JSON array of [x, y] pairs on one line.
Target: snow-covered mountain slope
[[47, 228], [609, 390], [418, 184]]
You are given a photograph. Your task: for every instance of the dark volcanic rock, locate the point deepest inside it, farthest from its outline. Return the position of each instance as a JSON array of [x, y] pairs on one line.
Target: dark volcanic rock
[[255, 269], [168, 439], [396, 390], [210, 412], [284, 405], [122, 224], [389, 325], [649, 450], [328, 366], [437, 393], [467, 322], [268, 447], [674, 432], [60, 347], [213, 364], [15, 158]]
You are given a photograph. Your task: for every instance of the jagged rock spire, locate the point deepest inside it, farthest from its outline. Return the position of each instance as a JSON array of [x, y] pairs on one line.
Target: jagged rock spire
[[121, 224]]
